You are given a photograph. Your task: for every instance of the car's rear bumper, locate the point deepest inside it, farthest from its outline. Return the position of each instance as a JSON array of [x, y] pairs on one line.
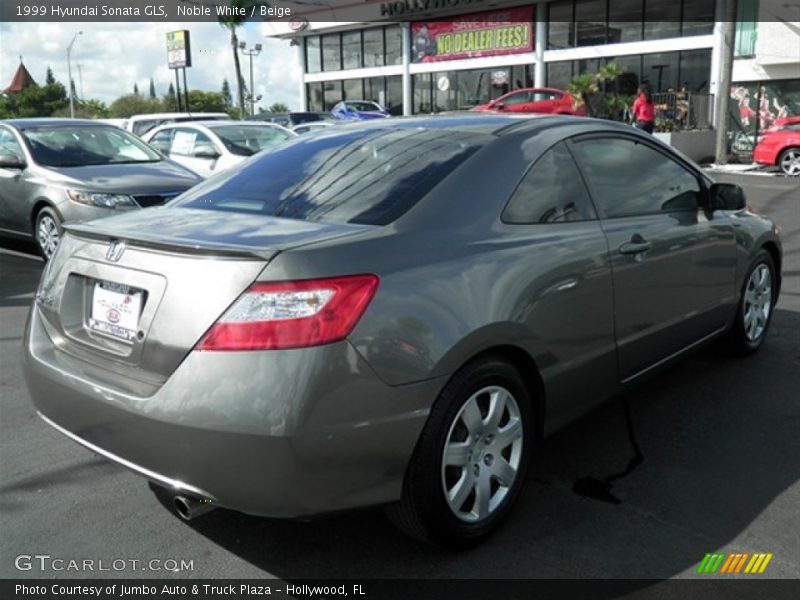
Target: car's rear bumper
[[282, 433]]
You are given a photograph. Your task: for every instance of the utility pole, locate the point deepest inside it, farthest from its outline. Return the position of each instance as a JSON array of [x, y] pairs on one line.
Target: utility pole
[[251, 53], [69, 73], [727, 34], [80, 78]]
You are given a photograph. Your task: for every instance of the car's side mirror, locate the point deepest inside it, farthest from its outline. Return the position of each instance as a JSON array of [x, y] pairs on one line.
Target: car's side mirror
[[208, 153], [498, 105], [726, 196], [11, 161]]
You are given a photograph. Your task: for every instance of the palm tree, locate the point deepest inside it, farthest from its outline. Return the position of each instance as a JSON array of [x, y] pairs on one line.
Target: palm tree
[[232, 23]]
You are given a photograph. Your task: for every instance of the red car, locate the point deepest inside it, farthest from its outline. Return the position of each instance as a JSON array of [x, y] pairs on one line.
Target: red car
[[534, 100], [780, 145]]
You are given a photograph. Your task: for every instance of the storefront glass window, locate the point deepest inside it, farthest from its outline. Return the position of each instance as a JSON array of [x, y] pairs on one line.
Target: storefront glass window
[[698, 17], [313, 57], [394, 95], [695, 67], [423, 101], [373, 47], [351, 49], [332, 94], [662, 19], [660, 71], [590, 18], [315, 99], [331, 52], [561, 23], [559, 74], [625, 21], [353, 89], [394, 45]]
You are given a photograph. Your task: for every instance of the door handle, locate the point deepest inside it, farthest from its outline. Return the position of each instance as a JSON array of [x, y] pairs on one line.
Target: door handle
[[637, 245]]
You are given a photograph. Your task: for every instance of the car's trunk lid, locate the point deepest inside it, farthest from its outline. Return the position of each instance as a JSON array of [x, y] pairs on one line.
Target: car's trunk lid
[[132, 295]]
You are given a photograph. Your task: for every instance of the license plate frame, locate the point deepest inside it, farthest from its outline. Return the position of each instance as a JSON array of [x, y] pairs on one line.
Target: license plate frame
[[115, 309]]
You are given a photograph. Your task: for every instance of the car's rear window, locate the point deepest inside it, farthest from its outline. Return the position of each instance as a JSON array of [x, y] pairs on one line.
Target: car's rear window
[[367, 176]]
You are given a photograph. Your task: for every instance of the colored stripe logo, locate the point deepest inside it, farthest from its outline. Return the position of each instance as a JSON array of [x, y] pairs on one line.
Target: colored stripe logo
[[736, 562]]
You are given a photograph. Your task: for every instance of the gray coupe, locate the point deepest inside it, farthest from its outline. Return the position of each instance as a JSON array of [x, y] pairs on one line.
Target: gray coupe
[[392, 313]]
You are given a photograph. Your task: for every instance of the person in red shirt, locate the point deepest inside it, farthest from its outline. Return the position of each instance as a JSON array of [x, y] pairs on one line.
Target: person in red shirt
[[644, 110]]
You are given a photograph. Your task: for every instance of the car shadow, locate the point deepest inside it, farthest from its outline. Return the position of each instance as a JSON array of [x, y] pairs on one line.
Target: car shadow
[[718, 441]]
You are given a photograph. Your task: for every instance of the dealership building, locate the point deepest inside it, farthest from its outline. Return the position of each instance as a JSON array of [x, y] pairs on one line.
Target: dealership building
[[423, 56]]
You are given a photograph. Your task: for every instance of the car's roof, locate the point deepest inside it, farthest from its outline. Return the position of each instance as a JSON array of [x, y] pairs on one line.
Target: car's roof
[[53, 122], [171, 115], [478, 122]]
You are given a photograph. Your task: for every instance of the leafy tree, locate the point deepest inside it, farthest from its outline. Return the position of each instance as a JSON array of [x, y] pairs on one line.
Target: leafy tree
[[35, 101], [132, 104], [207, 101], [135, 90], [278, 107], [86, 109], [49, 79], [598, 92], [226, 92], [152, 89]]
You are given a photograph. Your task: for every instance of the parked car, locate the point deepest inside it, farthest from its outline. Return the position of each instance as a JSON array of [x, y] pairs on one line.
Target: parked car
[[309, 127], [394, 312], [359, 110], [141, 124], [53, 171], [290, 119], [780, 146], [534, 100], [208, 147]]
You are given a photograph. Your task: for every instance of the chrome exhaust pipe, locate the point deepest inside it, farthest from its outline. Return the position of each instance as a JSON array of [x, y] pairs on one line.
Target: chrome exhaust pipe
[[189, 508]]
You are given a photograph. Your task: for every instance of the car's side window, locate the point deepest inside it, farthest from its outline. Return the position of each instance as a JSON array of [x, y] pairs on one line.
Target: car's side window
[[520, 98], [629, 178], [9, 144], [163, 140], [188, 141], [552, 191]]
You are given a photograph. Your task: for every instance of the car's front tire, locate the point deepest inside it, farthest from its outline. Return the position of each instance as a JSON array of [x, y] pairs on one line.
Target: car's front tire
[[469, 464], [47, 230], [789, 162], [756, 303]]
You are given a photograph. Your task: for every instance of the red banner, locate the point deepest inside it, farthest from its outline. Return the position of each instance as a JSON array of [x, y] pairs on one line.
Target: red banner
[[492, 33]]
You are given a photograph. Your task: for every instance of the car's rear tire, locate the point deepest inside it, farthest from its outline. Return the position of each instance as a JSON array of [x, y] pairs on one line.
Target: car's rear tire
[[789, 162], [756, 302], [470, 462], [47, 231]]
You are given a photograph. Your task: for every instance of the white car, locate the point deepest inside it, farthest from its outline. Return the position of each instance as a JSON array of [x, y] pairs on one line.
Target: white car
[[141, 124], [208, 147]]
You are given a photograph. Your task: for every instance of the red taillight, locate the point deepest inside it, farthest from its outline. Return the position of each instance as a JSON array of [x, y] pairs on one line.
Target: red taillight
[[292, 314]]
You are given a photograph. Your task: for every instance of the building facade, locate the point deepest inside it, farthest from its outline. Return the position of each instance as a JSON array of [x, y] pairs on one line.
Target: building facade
[[468, 53]]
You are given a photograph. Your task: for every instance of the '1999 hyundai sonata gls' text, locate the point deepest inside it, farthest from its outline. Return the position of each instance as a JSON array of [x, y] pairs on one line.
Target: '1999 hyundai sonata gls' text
[[391, 313]]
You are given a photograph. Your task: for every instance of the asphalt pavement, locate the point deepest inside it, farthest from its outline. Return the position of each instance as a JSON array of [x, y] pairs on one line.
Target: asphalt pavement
[[719, 471]]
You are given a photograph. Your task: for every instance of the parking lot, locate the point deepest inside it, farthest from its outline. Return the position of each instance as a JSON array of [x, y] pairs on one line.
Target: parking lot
[[719, 471]]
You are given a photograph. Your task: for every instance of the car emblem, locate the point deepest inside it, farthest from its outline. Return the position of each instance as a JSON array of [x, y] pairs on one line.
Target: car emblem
[[115, 250]]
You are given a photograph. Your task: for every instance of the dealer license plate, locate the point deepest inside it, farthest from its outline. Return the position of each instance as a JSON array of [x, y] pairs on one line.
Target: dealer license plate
[[115, 310]]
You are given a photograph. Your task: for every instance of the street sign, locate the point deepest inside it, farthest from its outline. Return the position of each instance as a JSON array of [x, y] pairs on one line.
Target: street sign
[[179, 52]]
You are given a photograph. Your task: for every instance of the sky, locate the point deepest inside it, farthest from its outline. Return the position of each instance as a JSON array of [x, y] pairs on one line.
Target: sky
[[114, 56]]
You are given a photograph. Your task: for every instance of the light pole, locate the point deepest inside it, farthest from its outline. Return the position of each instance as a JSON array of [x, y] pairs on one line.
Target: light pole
[[251, 53], [69, 73]]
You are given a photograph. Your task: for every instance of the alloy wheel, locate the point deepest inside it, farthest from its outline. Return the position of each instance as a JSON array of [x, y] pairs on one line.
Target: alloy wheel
[[482, 454], [790, 162], [48, 235], [757, 302]]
